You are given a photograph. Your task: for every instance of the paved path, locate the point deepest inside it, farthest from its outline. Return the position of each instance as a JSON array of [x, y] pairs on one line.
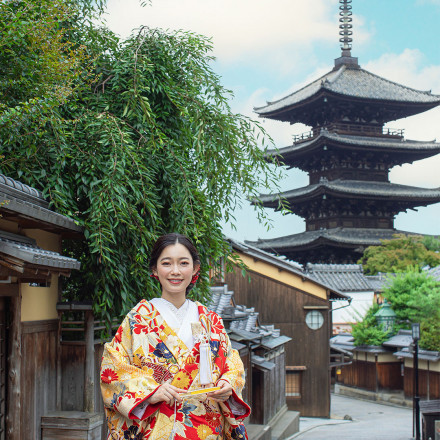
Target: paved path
[[371, 421]]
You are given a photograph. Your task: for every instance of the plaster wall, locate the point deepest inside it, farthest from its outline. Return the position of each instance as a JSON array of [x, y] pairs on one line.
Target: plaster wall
[[360, 303], [423, 365], [371, 357], [283, 276], [8, 226], [39, 303]]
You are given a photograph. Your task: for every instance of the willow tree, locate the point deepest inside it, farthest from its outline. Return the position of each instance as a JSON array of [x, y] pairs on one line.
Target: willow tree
[[131, 138]]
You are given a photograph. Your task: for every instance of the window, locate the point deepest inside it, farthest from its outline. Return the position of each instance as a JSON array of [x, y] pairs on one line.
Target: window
[[294, 382], [314, 319]]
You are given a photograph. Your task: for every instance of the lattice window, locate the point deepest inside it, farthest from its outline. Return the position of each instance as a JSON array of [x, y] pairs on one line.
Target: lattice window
[[294, 382]]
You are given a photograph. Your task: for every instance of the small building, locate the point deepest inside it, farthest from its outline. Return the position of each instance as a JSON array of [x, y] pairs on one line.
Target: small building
[[30, 266], [262, 350], [429, 373], [349, 279], [300, 307]]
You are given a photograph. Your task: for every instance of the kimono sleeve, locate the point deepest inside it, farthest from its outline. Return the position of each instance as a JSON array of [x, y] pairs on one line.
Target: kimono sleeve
[[123, 385], [234, 374]]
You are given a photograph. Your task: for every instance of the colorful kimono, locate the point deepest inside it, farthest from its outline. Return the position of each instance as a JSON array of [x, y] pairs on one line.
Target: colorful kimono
[[145, 353]]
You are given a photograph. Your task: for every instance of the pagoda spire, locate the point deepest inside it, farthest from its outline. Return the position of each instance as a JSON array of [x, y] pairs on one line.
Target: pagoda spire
[[346, 34], [345, 27]]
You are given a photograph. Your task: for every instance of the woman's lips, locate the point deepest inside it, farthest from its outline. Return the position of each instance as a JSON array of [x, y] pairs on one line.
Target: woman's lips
[[175, 281]]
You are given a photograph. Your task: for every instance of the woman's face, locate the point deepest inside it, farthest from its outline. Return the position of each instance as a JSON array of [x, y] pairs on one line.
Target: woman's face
[[175, 269]]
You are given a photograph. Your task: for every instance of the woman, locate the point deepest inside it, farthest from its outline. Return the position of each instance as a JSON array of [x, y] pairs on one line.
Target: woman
[[166, 348]]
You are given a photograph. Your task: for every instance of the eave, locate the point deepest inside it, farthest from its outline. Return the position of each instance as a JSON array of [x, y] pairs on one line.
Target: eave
[[354, 189], [401, 151]]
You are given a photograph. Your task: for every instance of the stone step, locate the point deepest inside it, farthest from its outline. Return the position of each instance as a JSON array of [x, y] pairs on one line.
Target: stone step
[[286, 425], [259, 432]]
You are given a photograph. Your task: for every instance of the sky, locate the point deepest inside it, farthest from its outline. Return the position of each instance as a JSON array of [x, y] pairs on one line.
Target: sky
[[267, 50]]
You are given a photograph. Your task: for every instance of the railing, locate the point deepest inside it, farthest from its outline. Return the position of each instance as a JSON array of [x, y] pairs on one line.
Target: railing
[[365, 130], [306, 135]]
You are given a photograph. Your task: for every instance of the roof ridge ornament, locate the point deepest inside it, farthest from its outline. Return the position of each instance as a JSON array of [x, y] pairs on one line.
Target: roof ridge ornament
[[346, 34]]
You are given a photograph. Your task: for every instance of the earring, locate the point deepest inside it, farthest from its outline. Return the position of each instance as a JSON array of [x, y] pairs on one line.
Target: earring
[[154, 276], [195, 278]]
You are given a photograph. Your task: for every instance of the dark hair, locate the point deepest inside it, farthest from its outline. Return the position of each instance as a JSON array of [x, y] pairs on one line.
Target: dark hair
[[169, 240]]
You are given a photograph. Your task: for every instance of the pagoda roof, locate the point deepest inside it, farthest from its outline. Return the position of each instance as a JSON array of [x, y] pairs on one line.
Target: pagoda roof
[[342, 237], [384, 144], [355, 189], [352, 84]]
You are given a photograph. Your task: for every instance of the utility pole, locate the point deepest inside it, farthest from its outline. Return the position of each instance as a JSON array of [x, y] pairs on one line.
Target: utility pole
[[415, 327]]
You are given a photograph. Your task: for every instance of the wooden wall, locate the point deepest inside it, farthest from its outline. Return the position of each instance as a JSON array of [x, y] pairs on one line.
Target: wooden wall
[[72, 367], [268, 391], [372, 376], [283, 306], [434, 383], [38, 374]]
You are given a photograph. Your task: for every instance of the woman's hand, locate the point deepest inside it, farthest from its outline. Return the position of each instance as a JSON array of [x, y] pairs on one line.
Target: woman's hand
[[224, 393], [166, 393]]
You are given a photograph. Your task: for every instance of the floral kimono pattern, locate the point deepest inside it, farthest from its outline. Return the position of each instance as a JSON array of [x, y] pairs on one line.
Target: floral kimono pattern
[[145, 353]]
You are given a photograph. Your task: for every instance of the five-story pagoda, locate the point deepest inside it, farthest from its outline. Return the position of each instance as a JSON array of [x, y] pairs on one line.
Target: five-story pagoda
[[349, 203]]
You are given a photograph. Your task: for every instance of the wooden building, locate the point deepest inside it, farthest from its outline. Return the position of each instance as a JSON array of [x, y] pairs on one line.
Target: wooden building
[[300, 308], [390, 367], [349, 203], [372, 369], [30, 266], [262, 350], [350, 280], [429, 373]]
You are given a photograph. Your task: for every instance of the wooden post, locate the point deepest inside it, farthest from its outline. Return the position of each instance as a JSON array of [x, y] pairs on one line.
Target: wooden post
[[89, 367], [59, 369], [13, 417]]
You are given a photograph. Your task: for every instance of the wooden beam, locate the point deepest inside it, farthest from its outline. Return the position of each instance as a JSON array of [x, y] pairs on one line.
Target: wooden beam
[[8, 289], [89, 367], [13, 416]]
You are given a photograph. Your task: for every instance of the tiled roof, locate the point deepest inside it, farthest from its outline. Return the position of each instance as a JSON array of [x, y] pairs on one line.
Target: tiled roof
[[378, 282], [375, 190], [29, 203], [243, 321], [26, 250], [403, 338], [426, 355], [342, 341], [361, 236], [18, 189], [371, 142], [344, 277], [357, 83]]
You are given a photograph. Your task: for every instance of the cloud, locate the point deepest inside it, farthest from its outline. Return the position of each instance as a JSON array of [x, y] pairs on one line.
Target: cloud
[[249, 28]]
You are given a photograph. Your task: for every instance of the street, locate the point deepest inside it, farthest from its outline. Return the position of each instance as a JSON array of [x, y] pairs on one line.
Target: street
[[370, 421]]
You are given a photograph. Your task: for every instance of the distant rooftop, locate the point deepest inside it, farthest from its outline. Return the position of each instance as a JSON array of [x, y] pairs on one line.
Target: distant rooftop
[[344, 277]]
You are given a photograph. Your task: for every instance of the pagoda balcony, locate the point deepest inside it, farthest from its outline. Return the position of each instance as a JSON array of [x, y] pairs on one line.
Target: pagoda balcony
[[351, 129]]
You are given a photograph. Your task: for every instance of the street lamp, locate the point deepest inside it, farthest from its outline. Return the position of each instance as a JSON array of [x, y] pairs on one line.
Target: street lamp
[[415, 330], [385, 316]]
